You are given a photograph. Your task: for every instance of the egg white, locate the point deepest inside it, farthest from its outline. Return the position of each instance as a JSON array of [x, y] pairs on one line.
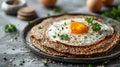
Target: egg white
[[63, 27]]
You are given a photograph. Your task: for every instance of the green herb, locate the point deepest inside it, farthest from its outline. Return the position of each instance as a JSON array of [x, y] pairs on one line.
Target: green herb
[[13, 49], [114, 13], [90, 65], [29, 23], [113, 26], [48, 14], [16, 37], [22, 62], [106, 30], [89, 20], [4, 53], [57, 10], [9, 28], [96, 27], [54, 36], [45, 63], [64, 37], [65, 23], [85, 37], [39, 27], [5, 58], [65, 18]]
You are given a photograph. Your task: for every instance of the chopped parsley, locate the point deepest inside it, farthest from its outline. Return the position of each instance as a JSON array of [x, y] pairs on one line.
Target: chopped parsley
[[48, 14], [64, 37], [85, 37], [65, 18], [5, 58], [39, 27], [22, 62], [96, 27], [114, 13], [89, 20], [29, 23], [45, 63], [13, 49], [10, 28], [65, 23], [113, 26], [16, 38], [90, 65], [54, 36], [57, 10]]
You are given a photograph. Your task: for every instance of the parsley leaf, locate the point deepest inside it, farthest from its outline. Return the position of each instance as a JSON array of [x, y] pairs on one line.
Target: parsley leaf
[[45, 62], [65, 23], [113, 26], [89, 20], [54, 36], [57, 10], [114, 13], [48, 14], [22, 62], [5, 58], [96, 27], [90, 65], [39, 27], [29, 23], [64, 37], [9, 28]]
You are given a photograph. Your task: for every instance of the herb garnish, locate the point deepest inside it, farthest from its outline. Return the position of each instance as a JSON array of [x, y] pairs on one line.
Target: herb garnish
[[90, 65], [89, 20], [39, 27], [65, 23], [45, 63], [113, 26], [5, 58], [96, 27], [10, 28], [85, 37], [22, 62], [13, 49], [54, 36], [64, 37], [29, 23], [57, 10], [114, 13], [48, 14]]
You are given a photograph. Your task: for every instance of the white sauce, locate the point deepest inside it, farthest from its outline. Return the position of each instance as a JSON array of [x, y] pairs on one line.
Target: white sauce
[[77, 39]]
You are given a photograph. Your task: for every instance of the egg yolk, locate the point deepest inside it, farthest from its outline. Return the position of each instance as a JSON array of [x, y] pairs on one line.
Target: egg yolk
[[78, 28]]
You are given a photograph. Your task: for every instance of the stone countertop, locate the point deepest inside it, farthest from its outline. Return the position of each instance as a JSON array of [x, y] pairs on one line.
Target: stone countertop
[[14, 50]]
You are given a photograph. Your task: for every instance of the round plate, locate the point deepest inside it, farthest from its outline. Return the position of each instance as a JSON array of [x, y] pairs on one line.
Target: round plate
[[107, 56]]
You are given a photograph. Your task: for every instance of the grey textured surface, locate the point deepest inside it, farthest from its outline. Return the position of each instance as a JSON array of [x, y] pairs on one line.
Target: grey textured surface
[[14, 50]]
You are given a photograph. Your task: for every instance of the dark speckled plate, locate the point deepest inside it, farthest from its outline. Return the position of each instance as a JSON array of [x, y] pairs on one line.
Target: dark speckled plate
[[107, 56]]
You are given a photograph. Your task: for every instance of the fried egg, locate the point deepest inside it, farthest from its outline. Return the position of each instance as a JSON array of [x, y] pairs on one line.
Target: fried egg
[[77, 32]]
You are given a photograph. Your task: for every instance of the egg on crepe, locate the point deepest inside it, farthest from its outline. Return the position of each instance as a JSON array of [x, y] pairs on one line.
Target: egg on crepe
[[74, 36]]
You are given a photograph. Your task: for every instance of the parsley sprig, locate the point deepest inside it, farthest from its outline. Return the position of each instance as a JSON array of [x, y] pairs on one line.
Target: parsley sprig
[[57, 10], [96, 27], [89, 20], [22, 62], [114, 13], [64, 37], [10, 28], [90, 65]]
